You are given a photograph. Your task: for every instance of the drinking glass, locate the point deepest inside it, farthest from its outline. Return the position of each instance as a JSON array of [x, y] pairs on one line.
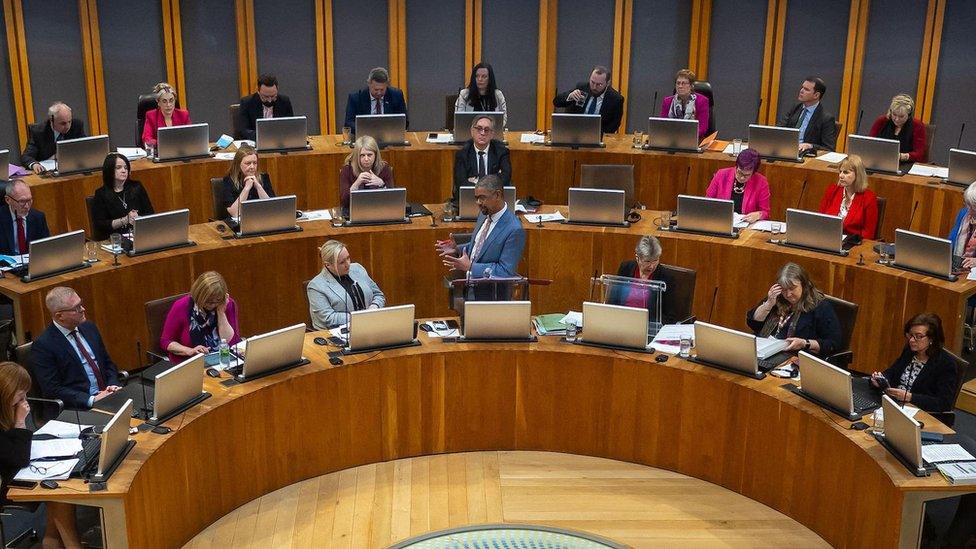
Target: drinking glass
[[337, 217], [91, 251], [885, 258], [448, 211], [346, 135], [666, 220], [684, 346], [736, 147], [116, 240], [570, 331], [777, 229], [878, 426]]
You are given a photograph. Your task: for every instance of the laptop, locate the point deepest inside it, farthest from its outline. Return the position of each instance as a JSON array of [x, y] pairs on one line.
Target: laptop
[[55, 255], [962, 167], [609, 176], [162, 231], [903, 437], [921, 253], [775, 143], [672, 134], [709, 216], [178, 389], [497, 321], [597, 207], [265, 216], [835, 389], [384, 328], [289, 133], [464, 119], [468, 209], [577, 130], [879, 155], [114, 443], [85, 154], [614, 326], [815, 231], [183, 142], [386, 129], [378, 206], [731, 350], [271, 353]]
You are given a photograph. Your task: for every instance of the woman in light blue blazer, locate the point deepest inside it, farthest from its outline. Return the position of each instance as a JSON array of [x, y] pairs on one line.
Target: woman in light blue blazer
[[340, 288]]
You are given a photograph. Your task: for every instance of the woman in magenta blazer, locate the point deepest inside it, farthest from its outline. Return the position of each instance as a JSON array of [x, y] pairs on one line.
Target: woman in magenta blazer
[[685, 103], [197, 322], [165, 115], [851, 199], [744, 186]]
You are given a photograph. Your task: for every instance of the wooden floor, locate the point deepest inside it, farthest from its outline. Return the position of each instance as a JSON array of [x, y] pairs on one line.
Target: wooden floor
[[376, 505]]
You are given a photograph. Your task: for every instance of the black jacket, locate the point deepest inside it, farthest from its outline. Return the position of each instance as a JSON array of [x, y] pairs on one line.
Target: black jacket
[[820, 324], [935, 387], [106, 206], [251, 109], [611, 111], [466, 165], [15, 447], [821, 129], [360, 102], [41, 144], [668, 305]]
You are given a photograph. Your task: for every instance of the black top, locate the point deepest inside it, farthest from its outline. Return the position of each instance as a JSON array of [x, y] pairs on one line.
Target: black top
[[15, 446], [904, 137], [820, 324], [935, 387], [228, 194], [354, 291], [251, 109], [629, 268], [108, 205], [611, 112], [737, 199]]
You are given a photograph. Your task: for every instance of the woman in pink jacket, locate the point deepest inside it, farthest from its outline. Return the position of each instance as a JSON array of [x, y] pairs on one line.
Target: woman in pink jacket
[[685, 103], [165, 115], [744, 186]]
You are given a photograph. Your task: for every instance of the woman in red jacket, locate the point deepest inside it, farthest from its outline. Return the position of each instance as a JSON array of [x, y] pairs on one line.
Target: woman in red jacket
[[900, 125], [165, 115], [851, 199]]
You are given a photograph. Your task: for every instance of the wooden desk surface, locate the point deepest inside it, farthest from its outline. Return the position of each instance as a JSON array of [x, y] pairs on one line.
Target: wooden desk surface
[[753, 437]]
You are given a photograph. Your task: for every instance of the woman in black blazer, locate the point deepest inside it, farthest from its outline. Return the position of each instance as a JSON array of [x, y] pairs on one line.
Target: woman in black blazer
[[924, 374], [119, 200]]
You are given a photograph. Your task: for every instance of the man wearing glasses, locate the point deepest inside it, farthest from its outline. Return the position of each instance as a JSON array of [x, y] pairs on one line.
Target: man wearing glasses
[[69, 358], [480, 156], [23, 224]]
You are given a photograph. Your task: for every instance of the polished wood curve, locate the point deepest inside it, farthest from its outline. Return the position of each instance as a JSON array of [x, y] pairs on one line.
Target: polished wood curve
[[753, 437]]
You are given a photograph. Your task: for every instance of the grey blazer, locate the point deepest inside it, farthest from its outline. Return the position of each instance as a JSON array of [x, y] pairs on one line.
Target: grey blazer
[[330, 305]]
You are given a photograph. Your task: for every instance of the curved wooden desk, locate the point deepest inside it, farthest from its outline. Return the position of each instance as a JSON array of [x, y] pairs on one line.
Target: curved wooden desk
[[753, 437], [543, 172], [265, 276]]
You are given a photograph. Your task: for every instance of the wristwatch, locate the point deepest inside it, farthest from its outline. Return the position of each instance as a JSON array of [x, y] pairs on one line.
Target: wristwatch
[[806, 344]]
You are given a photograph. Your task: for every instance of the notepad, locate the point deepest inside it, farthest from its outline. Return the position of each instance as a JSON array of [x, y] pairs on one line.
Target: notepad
[[52, 470], [60, 429], [927, 170], [936, 453], [832, 157], [532, 138], [55, 448]]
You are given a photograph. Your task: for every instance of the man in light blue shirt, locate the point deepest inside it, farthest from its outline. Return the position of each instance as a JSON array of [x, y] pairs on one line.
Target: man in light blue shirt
[[818, 129]]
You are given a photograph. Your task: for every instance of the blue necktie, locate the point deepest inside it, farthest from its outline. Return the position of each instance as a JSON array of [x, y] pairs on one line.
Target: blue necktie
[[591, 108]]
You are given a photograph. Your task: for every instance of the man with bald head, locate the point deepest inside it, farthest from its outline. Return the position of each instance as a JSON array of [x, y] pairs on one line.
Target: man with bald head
[[20, 224], [43, 138]]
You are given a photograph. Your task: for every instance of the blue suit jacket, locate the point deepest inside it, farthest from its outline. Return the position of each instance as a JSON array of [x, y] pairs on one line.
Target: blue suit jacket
[[36, 228], [59, 370], [954, 233], [359, 102], [502, 251]]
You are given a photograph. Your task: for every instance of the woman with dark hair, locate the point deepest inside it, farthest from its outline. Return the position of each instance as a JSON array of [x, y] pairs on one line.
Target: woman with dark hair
[[243, 182], [924, 374], [482, 94], [685, 103], [119, 200], [744, 186], [795, 310]]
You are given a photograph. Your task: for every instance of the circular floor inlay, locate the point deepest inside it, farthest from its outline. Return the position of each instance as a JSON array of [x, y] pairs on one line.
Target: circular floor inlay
[[507, 536]]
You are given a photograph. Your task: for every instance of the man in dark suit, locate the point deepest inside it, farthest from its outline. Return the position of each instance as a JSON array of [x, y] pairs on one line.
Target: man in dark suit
[[69, 357], [378, 97], [595, 97], [41, 143], [480, 156], [22, 224], [265, 103], [818, 128]]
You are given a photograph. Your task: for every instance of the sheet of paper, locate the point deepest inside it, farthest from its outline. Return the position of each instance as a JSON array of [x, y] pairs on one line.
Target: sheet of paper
[[450, 332], [237, 144], [729, 148], [534, 218], [767, 225], [55, 447], [574, 316], [739, 221], [132, 153], [769, 346], [53, 470], [337, 331], [315, 215], [61, 429], [441, 138], [49, 164], [832, 157], [532, 138], [927, 170], [910, 411], [224, 156], [935, 453], [668, 339]]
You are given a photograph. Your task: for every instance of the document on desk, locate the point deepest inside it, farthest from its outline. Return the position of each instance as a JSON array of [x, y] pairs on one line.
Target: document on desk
[[729, 148], [936, 453], [55, 448], [315, 215], [60, 429], [49, 164], [832, 157], [132, 153], [739, 221], [532, 138], [767, 225], [224, 156], [14, 261], [237, 144], [910, 411], [442, 138], [668, 340], [52, 470], [535, 218], [959, 473], [573, 316], [769, 346], [927, 170], [971, 275]]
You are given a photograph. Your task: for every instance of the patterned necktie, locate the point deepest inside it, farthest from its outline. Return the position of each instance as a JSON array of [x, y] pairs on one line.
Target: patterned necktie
[[479, 242], [377, 109], [89, 360]]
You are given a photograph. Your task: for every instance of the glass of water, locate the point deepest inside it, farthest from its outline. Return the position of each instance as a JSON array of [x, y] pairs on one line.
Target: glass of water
[[570, 330], [684, 346], [91, 251], [337, 217], [878, 417], [776, 228], [346, 135], [448, 211], [116, 240], [885, 257], [736, 147], [666, 220]]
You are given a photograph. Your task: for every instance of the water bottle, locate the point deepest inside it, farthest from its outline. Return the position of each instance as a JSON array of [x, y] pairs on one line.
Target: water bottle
[[224, 354]]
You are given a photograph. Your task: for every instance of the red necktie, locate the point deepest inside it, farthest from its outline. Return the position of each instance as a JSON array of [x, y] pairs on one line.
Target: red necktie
[[91, 362], [21, 235]]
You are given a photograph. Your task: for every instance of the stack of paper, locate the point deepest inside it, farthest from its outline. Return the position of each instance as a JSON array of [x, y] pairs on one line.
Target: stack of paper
[[47, 470], [766, 225], [557, 216], [532, 138], [60, 429], [832, 157], [315, 215], [938, 453], [926, 170], [739, 221], [549, 324], [445, 138], [132, 153], [55, 448], [958, 473], [668, 339]]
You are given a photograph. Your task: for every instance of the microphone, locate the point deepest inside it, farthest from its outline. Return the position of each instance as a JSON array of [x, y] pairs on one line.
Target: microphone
[[857, 127], [799, 199], [912, 218], [758, 108], [711, 309], [961, 129], [142, 381], [687, 179], [654, 102]]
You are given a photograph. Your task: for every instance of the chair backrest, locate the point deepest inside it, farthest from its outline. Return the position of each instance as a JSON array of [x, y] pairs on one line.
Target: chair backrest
[[145, 103], [22, 355], [218, 212], [962, 366], [461, 239], [156, 311], [235, 125], [704, 87], [682, 291], [929, 139], [450, 100], [308, 305], [95, 234], [847, 315], [882, 204]]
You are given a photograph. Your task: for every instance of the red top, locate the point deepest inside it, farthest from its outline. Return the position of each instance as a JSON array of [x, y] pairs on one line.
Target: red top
[[346, 179], [155, 120], [919, 137], [862, 216]]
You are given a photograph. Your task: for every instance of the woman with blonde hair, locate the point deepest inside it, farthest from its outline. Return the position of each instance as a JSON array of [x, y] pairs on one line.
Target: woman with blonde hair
[[340, 288], [242, 181], [165, 115], [900, 124], [364, 169], [851, 199], [198, 321]]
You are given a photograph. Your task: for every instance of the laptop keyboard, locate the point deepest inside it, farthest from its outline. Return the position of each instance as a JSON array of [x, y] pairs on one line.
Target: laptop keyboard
[[865, 397], [91, 448]]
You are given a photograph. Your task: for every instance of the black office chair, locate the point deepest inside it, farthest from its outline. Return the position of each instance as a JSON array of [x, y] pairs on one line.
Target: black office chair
[[847, 315], [682, 292], [156, 311], [882, 204], [450, 100], [235, 123], [95, 233], [962, 366], [218, 212], [308, 306], [145, 103], [22, 355], [610, 176]]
